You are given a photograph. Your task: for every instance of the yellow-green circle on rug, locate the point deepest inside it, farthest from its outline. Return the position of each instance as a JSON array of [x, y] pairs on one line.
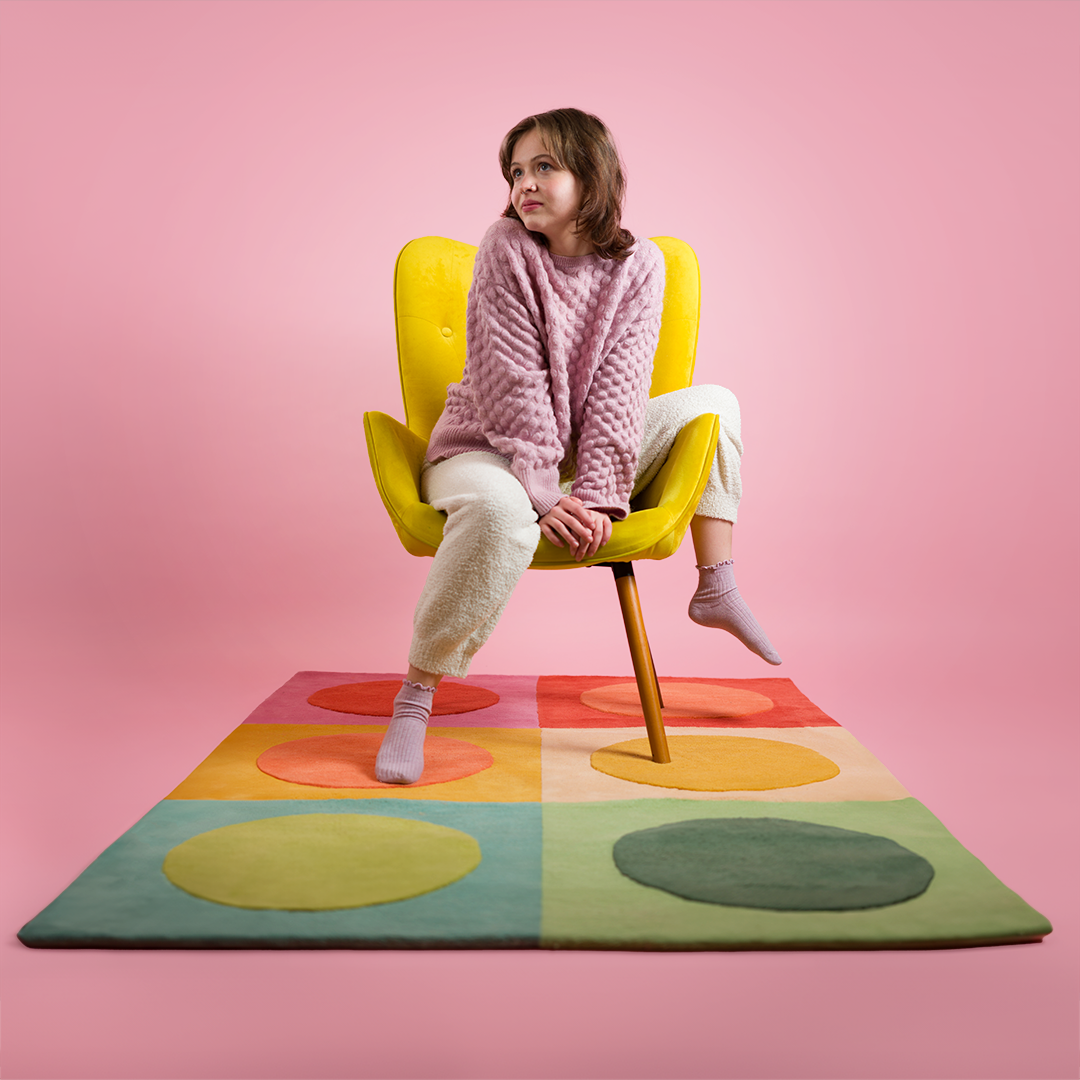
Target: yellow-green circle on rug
[[717, 763], [320, 862], [682, 700]]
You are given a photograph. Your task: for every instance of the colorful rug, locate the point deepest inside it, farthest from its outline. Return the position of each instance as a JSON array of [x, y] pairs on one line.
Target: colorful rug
[[540, 822]]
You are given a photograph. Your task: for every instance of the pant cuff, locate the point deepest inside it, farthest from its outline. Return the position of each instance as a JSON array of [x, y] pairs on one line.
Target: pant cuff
[[724, 507], [440, 665]]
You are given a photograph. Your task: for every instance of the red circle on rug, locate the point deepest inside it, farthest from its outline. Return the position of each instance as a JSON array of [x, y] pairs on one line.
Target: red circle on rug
[[348, 761], [377, 698]]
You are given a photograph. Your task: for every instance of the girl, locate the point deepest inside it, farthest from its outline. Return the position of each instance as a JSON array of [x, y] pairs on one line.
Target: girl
[[551, 430]]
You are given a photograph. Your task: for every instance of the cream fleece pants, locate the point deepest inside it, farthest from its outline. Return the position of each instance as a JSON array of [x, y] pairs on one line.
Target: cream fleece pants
[[491, 530]]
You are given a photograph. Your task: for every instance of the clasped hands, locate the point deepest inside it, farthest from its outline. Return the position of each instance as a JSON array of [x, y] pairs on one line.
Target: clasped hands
[[570, 523]]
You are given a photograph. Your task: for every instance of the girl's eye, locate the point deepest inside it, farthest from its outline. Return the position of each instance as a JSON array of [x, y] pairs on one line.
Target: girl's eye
[[544, 165]]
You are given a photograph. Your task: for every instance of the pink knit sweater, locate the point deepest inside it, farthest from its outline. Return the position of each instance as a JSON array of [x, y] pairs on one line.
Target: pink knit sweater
[[559, 361]]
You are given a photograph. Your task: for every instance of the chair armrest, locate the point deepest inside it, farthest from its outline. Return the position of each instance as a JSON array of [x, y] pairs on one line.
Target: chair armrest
[[396, 455], [682, 478], [660, 515]]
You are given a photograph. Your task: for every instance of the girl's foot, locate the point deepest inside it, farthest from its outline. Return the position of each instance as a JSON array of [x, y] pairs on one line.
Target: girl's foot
[[717, 603], [401, 755]]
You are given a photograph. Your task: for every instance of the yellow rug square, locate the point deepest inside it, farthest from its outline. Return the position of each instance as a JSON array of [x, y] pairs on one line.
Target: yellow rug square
[[468, 764], [820, 764]]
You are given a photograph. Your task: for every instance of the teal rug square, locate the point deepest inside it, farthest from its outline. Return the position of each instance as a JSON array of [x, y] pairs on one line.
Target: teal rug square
[[124, 900]]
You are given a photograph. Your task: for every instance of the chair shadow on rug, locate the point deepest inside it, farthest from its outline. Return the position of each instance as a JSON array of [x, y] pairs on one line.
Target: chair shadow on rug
[[431, 287]]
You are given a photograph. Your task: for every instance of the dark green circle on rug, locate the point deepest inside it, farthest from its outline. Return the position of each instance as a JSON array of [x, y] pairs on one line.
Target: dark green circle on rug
[[321, 862], [773, 863], [377, 698]]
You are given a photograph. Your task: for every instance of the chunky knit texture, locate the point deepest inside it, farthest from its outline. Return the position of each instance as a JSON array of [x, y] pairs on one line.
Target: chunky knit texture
[[559, 361]]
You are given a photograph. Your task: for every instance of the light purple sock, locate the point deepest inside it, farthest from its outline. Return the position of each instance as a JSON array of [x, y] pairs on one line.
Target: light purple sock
[[401, 755], [717, 603]]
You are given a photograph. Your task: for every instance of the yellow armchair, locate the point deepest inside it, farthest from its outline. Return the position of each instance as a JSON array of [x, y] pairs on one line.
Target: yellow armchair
[[431, 286]]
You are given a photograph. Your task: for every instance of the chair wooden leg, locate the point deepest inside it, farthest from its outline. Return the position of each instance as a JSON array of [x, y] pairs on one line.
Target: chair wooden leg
[[641, 654], [656, 678]]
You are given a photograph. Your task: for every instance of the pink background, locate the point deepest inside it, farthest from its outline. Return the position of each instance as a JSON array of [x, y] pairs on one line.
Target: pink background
[[202, 203]]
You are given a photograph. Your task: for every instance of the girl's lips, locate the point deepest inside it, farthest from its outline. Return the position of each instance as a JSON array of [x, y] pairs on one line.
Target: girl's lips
[[525, 206]]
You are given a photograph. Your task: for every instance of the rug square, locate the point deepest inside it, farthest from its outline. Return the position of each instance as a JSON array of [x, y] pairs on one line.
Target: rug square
[[559, 703], [231, 772], [568, 775], [124, 900], [589, 903], [288, 704]]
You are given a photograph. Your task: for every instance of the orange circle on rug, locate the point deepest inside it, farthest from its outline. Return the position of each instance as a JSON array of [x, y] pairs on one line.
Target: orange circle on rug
[[682, 700], [717, 763], [348, 761], [377, 698]]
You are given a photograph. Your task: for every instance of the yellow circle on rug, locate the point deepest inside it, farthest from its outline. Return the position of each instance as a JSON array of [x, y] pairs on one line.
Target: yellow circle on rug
[[682, 700], [320, 862], [717, 763]]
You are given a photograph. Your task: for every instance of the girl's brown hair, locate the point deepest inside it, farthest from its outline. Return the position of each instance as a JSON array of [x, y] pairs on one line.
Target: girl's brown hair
[[582, 144]]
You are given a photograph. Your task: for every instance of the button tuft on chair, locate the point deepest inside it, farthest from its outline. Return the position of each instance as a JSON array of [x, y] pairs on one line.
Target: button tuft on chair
[[446, 331]]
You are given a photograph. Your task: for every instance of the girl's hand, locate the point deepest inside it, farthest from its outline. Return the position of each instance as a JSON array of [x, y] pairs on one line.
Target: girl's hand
[[584, 531]]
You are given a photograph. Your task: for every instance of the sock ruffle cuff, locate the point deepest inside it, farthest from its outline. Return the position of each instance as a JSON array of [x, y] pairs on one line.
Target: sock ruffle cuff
[[716, 566]]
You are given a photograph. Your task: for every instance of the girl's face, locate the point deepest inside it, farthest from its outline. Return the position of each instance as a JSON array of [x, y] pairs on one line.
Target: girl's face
[[546, 197]]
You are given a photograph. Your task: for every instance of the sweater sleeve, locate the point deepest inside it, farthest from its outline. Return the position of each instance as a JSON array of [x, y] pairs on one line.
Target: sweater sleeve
[[509, 377], [614, 420]]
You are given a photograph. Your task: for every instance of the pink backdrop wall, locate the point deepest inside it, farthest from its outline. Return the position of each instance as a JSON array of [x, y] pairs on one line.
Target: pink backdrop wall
[[202, 202]]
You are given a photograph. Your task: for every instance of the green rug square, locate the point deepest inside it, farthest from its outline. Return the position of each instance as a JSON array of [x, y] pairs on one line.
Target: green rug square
[[590, 903]]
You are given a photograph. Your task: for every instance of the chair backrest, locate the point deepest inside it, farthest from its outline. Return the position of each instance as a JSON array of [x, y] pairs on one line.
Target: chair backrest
[[431, 288]]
